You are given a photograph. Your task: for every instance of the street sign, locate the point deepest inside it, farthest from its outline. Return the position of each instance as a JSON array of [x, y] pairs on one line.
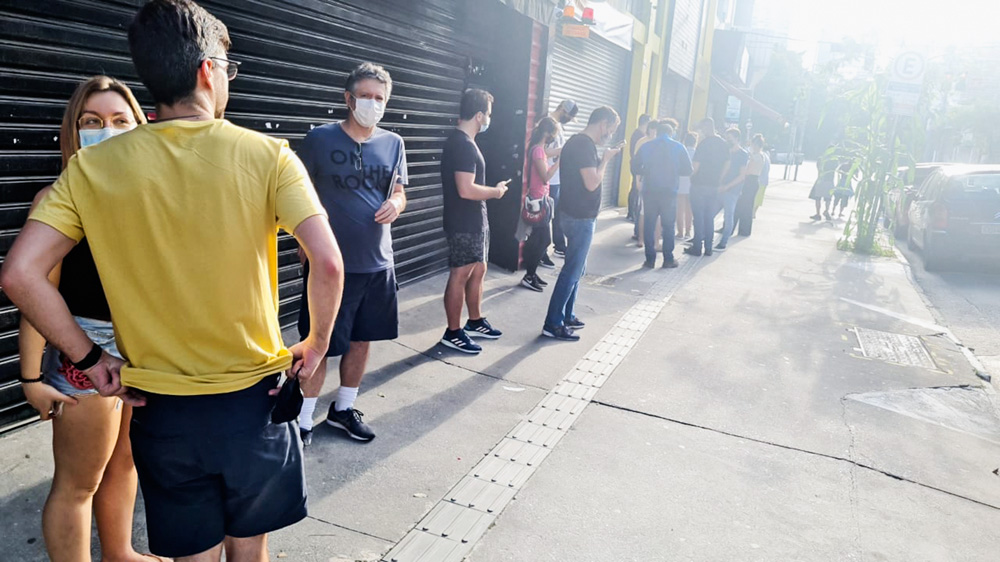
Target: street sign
[[906, 80]]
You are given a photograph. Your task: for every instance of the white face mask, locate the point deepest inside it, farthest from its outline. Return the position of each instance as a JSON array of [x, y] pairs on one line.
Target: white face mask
[[486, 125], [368, 112], [89, 137]]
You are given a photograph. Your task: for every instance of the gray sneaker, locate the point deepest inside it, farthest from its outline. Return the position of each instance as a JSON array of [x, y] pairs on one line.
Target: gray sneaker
[[350, 421]]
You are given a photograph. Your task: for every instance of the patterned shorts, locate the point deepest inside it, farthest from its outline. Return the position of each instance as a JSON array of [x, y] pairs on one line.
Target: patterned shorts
[[465, 248]]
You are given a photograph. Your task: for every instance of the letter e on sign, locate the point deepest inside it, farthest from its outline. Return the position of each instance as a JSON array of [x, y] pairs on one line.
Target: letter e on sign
[[909, 68]]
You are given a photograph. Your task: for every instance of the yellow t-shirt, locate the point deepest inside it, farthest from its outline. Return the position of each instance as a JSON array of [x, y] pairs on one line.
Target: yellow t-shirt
[[182, 218]]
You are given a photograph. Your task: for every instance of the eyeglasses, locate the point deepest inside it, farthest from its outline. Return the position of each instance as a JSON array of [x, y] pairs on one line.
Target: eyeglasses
[[91, 122], [358, 162], [232, 67]]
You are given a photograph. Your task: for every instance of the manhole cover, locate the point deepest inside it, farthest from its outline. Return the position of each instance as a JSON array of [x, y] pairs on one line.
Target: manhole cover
[[894, 348]]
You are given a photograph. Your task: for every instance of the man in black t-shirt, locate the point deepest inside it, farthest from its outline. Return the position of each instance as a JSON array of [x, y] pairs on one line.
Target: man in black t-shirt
[[463, 175], [710, 162], [582, 171]]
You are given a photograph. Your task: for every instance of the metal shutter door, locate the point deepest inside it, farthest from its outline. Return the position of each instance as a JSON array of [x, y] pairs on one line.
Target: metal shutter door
[[296, 55], [592, 72]]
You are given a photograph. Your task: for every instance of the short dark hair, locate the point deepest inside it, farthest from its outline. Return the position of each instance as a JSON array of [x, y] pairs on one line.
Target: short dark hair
[[368, 71], [690, 139], [604, 114], [169, 39], [644, 119], [665, 126], [672, 122], [734, 132], [473, 101]]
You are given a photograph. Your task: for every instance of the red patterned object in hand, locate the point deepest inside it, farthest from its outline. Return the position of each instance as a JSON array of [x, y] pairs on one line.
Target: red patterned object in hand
[[73, 375]]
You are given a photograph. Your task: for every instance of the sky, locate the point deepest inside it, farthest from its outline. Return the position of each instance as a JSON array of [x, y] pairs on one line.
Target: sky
[[929, 26]]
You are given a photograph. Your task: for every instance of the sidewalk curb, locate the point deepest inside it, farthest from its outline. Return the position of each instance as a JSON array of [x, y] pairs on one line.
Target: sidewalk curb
[[977, 366]]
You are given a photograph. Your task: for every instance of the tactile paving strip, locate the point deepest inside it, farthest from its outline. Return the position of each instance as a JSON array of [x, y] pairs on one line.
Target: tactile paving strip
[[450, 530]]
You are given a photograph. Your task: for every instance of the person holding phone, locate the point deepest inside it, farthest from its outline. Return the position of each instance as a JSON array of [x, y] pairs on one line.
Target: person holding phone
[[582, 174], [359, 171], [463, 179]]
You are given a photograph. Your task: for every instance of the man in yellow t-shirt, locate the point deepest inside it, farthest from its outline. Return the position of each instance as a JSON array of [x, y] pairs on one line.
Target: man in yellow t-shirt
[[182, 219]]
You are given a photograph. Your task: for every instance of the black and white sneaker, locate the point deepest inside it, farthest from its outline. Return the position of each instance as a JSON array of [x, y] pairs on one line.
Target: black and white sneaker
[[531, 282], [574, 323], [540, 281], [481, 329], [561, 333], [307, 437], [546, 262], [560, 253], [350, 421], [458, 339]]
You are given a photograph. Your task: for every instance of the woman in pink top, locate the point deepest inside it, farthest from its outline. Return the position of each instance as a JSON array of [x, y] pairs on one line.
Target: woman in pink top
[[539, 174]]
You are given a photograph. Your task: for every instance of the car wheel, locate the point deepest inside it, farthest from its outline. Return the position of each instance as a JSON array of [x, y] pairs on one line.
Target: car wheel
[[909, 239], [933, 259], [899, 230]]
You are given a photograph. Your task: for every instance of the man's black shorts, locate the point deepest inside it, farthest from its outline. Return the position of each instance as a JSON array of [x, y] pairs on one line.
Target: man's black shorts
[[215, 465], [368, 310], [465, 248]]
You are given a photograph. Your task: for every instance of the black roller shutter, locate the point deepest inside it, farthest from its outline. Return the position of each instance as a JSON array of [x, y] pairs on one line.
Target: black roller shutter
[[295, 54], [592, 72]]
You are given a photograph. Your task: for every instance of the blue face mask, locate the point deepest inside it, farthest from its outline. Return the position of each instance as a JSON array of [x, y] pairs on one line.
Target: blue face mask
[[89, 137]]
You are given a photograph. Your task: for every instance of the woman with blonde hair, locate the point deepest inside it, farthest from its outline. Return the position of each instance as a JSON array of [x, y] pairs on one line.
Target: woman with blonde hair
[[90, 441]]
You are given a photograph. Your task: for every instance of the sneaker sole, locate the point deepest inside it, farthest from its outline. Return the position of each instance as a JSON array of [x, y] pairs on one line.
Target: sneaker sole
[[527, 285], [475, 334], [547, 265], [447, 343], [552, 335], [339, 425]]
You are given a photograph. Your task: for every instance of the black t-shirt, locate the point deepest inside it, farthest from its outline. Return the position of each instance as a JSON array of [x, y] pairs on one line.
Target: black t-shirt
[[574, 199], [462, 155], [80, 284], [712, 155]]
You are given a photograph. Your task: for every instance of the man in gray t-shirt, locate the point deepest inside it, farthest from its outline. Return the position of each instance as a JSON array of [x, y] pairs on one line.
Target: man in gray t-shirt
[[359, 171]]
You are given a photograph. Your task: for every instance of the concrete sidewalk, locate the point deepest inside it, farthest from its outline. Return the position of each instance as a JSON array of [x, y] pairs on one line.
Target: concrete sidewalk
[[741, 420]]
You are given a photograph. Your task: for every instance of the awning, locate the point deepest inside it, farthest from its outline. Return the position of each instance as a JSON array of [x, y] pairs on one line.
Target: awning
[[759, 109], [609, 23]]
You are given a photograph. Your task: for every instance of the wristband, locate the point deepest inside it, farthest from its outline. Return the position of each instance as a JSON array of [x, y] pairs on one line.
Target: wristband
[[90, 360], [23, 380]]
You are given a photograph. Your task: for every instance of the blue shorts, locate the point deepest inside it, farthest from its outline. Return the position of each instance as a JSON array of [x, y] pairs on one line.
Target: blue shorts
[[214, 465], [369, 310], [59, 371]]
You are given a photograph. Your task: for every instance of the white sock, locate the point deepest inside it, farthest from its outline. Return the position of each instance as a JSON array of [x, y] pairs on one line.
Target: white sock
[[306, 415], [345, 398]]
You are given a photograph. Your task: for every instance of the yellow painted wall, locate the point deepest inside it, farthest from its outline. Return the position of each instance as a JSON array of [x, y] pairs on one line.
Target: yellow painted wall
[[703, 69], [646, 44]]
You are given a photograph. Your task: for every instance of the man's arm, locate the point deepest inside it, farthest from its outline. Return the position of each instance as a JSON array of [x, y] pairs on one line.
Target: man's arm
[[685, 167], [25, 279], [325, 286], [592, 176], [638, 162], [469, 189]]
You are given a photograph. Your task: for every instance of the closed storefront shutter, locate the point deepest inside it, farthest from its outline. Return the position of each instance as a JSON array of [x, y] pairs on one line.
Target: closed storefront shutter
[[296, 55], [592, 72]]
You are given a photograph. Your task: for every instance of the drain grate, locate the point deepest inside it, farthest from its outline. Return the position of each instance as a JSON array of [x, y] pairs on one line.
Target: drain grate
[[894, 348]]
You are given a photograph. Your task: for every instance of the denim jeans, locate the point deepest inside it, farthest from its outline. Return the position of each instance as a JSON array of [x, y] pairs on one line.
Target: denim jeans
[[703, 209], [662, 205], [579, 235], [727, 204], [558, 238]]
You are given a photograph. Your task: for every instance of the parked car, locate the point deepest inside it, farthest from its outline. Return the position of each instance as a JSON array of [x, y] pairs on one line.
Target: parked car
[[955, 215], [901, 198]]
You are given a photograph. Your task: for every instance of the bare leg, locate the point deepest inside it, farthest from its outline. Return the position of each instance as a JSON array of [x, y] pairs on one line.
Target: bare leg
[[250, 549], [114, 502], [353, 363], [213, 554], [474, 291], [83, 438], [454, 294], [312, 387]]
